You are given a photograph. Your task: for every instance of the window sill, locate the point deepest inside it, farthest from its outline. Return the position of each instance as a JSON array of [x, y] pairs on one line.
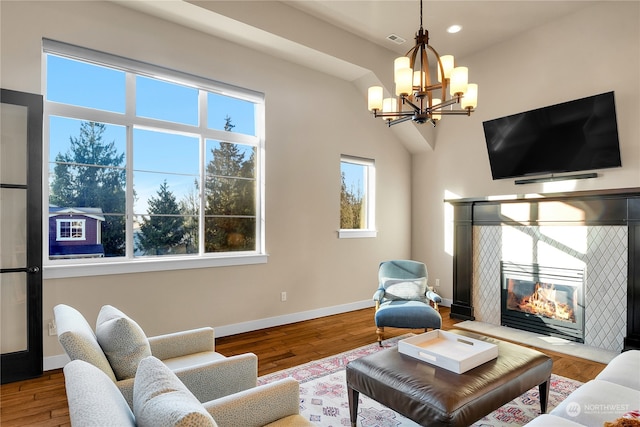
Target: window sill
[[356, 234], [108, 267]]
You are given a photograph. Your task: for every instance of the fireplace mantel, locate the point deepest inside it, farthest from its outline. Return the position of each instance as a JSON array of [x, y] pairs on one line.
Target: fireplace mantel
[[600, 207]]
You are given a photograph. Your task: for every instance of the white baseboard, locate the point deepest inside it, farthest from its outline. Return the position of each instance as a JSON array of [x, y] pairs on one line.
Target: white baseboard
[[238, 328], [58, 361], [55, 362]]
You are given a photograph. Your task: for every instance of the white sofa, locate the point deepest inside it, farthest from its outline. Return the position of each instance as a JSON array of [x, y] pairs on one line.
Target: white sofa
[[612, 394]]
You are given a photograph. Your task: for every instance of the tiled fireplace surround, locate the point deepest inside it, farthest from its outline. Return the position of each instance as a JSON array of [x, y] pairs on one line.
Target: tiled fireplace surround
[[596, 231], [600, 250]]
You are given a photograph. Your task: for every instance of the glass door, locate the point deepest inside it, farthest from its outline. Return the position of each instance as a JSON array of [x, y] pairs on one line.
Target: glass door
[[20, 236]]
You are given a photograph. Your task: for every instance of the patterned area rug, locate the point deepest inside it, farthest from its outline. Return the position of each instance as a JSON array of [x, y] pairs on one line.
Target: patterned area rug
[[323, 395]]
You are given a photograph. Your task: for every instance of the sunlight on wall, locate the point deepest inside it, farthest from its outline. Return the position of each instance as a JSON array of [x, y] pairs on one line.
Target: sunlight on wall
[[447, 227], [516, 211], [559, 186], [517, 246], [572, 237], [552, 211]]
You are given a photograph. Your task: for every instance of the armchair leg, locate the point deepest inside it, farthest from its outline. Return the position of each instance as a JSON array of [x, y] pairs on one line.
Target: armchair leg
[[380, 333]]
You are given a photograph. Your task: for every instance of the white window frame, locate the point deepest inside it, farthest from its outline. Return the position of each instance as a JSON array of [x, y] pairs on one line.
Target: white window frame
[[59, 223], [128, 263], [370, 199]]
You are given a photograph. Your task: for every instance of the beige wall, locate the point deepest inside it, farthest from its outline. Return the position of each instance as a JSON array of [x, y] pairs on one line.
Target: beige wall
[[311, 119], [593, 51]]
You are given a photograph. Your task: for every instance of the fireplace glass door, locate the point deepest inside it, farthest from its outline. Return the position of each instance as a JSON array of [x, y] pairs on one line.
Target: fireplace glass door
[[545, 300]]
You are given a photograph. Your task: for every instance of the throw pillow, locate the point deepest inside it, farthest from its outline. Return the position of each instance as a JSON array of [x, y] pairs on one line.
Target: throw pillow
[[160, 399], [405, 289], [122, 340]]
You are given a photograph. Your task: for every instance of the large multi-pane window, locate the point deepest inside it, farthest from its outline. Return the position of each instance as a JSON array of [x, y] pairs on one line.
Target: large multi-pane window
[[357, 197], [172, 161]]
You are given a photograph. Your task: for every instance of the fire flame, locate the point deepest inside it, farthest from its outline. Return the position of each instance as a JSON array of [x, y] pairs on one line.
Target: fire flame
[[543, 302]]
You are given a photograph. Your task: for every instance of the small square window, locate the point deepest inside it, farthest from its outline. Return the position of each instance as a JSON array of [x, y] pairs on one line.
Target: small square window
[[70, 229]]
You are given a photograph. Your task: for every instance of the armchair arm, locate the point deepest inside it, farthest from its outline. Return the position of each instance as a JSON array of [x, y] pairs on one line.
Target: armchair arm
[[258, 406], [218, 378], [434, 297], [377, 296], [181, 343]]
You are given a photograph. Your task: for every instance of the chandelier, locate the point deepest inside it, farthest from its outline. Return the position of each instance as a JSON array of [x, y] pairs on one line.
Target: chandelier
[[419, 98]]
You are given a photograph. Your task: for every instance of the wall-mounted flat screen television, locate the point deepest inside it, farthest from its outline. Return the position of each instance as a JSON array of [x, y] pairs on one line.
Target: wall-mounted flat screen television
[[572, 136]]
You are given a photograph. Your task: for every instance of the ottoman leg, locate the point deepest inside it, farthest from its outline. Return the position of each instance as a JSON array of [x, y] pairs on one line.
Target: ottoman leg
[[353, 405], [544, 395]]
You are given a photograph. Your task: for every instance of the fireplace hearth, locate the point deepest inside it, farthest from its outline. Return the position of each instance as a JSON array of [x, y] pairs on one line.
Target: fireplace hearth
[[543, 300]]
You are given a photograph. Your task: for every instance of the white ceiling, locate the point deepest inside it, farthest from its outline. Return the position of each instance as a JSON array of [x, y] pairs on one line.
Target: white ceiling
[[485, 23]]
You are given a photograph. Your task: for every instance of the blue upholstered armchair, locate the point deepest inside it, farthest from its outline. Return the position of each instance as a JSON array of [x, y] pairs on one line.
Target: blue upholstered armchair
[[403, 298]]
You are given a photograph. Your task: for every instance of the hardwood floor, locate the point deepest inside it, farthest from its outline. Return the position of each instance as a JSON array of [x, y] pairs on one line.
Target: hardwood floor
[[42, 401]]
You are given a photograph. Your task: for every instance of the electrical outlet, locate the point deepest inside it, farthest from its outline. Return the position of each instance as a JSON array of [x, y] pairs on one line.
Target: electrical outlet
[[283, 296], [52, 328], [437, 283]]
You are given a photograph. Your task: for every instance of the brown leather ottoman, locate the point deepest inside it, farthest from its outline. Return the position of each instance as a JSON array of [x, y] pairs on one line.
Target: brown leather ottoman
[[433, 396]]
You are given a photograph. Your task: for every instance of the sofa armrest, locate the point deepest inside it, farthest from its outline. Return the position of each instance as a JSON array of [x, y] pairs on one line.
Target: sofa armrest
[[218, 378], [182, 343], [623, 370], [546, 420], [258, 406]]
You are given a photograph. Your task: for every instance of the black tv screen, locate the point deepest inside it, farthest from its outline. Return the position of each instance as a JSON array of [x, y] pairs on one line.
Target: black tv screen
[[568, 137]]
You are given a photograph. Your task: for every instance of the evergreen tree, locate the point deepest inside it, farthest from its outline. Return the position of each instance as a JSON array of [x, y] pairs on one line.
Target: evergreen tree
[[350, 207], [189, 208], [162, 232], [230, 189], [91, 174]]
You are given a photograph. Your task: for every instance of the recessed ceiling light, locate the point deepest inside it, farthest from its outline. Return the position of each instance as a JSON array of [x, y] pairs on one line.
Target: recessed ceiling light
[[454, 29]]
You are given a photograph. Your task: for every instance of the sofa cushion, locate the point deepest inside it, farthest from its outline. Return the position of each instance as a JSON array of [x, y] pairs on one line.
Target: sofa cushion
[[78, 339], [405, 289], [161, 399], [94, 399], [122, 340]]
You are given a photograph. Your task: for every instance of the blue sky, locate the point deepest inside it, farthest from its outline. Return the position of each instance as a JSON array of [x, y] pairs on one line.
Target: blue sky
[[157, 155]]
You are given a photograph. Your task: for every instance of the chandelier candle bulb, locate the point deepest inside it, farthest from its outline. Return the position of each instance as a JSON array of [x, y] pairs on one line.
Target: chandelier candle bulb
[[459, 80], [421, 84], [470, 99], [398, 64], [435, 115], [404, 84], [447, 66], [375, 98], [389, 106]]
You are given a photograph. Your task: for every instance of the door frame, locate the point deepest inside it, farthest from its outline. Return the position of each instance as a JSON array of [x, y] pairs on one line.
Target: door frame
[[26, 364]]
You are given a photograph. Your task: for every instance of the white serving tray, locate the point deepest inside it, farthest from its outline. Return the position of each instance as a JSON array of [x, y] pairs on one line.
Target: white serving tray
[[452, 352]]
